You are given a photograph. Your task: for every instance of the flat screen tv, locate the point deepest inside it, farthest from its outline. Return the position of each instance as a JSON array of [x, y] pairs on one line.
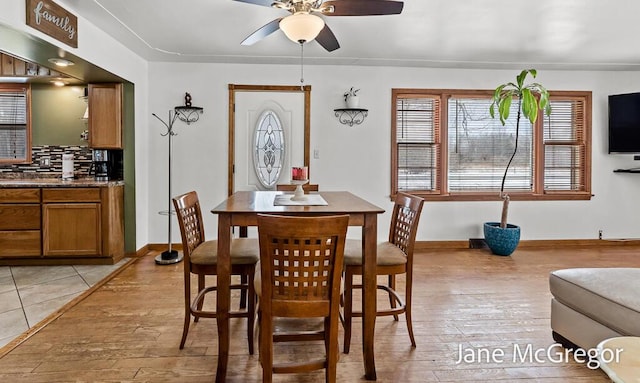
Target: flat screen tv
[[624, 123]]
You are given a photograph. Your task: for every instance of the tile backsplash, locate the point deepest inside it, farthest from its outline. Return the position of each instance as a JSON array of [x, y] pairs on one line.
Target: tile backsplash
[[46, 162]]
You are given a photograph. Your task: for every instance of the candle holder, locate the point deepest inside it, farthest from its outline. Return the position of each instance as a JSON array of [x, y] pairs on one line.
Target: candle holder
[[298, 194]]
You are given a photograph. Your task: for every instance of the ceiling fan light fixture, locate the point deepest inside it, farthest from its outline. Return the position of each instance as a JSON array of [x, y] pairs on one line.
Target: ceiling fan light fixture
[[301, 27]]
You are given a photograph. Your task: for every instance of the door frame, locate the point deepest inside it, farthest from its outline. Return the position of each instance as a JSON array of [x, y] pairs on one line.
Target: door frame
[[233, 88]]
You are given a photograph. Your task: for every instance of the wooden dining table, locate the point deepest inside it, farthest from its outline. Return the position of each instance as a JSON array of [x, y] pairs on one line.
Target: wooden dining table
[[242, 209]]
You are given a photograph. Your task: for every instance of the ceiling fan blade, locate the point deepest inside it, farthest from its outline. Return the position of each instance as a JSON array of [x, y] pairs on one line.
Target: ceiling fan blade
[[363, 7], [263, 32], [265, 3], [327, 39]]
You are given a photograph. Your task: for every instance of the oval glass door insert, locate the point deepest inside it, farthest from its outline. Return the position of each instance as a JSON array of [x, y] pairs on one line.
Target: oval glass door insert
[[269, 147]]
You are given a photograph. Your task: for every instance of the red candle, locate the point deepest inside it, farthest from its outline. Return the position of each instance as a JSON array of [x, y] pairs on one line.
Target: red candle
[[300, 173]]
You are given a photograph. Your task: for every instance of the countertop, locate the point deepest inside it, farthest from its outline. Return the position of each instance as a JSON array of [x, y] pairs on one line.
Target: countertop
[[56, 182]]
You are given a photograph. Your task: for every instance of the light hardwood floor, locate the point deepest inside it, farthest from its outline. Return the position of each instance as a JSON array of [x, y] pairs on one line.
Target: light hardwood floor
[[129, 329]]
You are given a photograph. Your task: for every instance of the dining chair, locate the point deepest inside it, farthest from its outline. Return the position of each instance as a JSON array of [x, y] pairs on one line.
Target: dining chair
[[200, 258], [289, 187], [301, 262], [394, 257]]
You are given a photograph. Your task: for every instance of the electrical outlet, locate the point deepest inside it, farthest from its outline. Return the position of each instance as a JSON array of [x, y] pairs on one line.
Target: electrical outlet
[[599, 234], [316, 153], [45, 161]]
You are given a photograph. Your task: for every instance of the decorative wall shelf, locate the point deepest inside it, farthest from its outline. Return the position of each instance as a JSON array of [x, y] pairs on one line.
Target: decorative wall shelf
[[351, 116], [186, 112]]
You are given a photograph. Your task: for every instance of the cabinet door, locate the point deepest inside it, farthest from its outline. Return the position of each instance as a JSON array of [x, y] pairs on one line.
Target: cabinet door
[[105, 116], [71, 229]]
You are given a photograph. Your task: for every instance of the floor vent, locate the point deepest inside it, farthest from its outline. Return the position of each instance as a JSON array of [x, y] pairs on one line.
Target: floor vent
[[477, 243]]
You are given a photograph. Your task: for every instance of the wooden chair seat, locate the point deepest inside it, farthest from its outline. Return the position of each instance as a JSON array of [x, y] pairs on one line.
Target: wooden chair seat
[[244, 251], [388, 254], [394, 257]]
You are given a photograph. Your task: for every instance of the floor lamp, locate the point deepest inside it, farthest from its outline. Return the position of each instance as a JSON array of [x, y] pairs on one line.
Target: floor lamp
[[188, 114]]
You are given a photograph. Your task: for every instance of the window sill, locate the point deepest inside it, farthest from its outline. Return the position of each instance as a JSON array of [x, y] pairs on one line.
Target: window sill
[[514, 196]]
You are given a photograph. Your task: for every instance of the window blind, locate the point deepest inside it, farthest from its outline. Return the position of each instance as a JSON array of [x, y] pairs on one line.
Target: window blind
[[565, 146], [13, 124], [417, 138]]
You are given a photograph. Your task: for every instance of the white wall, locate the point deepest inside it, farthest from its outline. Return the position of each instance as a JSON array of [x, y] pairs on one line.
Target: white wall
[[351, 158], [357, 158], [100, 49]]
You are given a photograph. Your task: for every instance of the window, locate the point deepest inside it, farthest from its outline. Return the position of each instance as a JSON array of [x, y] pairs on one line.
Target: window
[[269, 148], [15, 124], [446, 146]]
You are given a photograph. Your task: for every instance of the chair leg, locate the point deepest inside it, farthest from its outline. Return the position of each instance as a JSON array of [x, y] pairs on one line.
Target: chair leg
[[200, 288], [243, 292], [407, 307], [187, 310], [348, 309], [251, 309], [331, 348], [392, 300], [266, 348]]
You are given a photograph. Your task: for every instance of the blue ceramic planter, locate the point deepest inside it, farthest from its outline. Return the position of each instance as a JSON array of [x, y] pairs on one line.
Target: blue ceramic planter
[[501, 241]]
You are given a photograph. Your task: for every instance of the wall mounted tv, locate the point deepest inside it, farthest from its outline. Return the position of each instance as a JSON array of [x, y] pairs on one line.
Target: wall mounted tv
[[624, 123]]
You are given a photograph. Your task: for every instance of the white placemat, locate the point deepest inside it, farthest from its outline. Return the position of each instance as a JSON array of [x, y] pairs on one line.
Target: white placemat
[[309, 200]]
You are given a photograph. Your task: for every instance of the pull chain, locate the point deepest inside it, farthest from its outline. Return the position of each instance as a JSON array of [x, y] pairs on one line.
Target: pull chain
[[301, 65]]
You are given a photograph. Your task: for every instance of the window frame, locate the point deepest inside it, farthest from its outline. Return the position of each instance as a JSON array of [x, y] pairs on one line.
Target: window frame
[[12, 87], [538, 193]]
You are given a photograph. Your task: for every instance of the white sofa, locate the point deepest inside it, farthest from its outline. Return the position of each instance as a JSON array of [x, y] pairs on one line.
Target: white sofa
[[593, 304]]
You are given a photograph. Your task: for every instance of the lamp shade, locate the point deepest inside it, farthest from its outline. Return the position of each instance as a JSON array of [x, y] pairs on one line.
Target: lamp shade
[[301, 27]]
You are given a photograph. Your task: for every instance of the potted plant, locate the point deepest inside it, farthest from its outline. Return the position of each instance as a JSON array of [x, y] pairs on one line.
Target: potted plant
[[351, 98], [502, 237]]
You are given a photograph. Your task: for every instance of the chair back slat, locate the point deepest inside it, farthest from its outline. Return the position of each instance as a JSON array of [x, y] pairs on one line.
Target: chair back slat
[[301, 257], [190, 220], [404, 221]]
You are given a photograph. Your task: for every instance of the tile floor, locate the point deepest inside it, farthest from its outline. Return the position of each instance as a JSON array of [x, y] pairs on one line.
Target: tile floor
[[29, 294]]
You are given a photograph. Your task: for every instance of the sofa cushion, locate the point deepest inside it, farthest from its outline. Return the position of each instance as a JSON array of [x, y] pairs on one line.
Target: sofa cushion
[[610, 296]]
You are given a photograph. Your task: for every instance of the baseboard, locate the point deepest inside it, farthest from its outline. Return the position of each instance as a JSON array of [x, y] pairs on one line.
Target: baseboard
[[163, 246], [141, 252], [535, 243], [461, 244]]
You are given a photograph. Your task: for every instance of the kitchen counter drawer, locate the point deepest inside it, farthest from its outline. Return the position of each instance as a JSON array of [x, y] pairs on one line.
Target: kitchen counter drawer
[[20, 243], [20, 217], [19, 195], [71, 195]]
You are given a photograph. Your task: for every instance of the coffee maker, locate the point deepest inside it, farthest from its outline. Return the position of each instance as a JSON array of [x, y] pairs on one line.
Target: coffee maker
[[106, 164]]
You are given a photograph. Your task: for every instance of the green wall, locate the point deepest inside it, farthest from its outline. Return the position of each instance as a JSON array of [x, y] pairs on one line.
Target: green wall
[[128, 124], [56, 115]]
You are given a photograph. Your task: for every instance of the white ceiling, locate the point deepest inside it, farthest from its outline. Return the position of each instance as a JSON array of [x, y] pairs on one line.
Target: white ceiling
[[551, 34]]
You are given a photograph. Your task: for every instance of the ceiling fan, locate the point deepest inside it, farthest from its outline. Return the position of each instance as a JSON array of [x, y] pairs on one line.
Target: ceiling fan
[[303, 24]]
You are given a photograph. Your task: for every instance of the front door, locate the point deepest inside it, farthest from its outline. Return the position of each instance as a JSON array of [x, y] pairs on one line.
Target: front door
[[255, 112]]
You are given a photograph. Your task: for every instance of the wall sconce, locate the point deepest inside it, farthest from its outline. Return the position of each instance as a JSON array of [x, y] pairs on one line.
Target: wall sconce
[[351, 116], [188, 113]]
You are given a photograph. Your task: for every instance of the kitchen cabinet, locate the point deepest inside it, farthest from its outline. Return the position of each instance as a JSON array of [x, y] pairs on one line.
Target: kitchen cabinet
[[62, 225], [71, 222], [20, 222], [105, 116]]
